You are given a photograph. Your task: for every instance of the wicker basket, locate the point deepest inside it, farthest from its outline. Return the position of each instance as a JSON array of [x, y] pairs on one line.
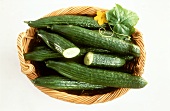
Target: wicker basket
[[23, 43]]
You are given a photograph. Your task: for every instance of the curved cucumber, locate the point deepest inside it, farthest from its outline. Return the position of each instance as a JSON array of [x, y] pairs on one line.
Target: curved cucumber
[[103, 60], [59, 44], [82, 36], [64, 83], [83, 21], [97, 76]]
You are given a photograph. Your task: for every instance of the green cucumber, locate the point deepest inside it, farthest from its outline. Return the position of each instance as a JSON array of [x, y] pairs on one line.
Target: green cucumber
[[63, 83], [59, 44], [103, 60], [82, 36], [41, 53], [97, 76], [83, 21]]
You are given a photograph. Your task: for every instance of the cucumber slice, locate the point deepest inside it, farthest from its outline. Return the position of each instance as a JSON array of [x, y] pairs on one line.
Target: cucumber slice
[[71, 52]]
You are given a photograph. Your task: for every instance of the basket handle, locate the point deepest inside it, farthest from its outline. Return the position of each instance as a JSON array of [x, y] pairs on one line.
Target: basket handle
[[22, 46]]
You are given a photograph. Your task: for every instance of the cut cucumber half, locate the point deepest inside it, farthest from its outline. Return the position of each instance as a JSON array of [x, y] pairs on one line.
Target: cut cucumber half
[[71, 52], [59, 44], [103, 60]]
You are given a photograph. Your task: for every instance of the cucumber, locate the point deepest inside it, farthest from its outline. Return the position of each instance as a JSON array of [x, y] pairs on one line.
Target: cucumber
[[82, 36], [41, 53], [83, 21], [97, 76], [59, 44], [64, 83], [103, 60]]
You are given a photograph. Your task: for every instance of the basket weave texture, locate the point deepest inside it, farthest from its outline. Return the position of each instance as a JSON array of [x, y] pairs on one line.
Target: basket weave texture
[[23, 42]]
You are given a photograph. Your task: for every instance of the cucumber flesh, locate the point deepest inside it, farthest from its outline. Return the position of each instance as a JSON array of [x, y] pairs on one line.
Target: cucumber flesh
[[88, 59], [71, 52]]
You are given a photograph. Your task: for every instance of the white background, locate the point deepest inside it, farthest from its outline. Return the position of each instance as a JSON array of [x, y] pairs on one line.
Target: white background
[[18, 94]]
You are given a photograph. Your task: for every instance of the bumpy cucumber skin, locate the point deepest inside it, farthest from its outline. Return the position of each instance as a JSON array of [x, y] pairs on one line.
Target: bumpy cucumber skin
[[83, 21], [82, 36], [97, 76], [41, 53], [104, 60], [64, 83]]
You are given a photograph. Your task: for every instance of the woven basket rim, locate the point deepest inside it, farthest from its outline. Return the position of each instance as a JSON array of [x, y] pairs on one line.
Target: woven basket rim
[[27, 68]]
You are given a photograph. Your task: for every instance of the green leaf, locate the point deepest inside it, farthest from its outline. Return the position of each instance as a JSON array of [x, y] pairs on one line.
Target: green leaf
[[122, 20]]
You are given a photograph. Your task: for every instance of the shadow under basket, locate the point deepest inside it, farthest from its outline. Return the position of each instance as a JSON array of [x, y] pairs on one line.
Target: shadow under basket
[[79, 97]]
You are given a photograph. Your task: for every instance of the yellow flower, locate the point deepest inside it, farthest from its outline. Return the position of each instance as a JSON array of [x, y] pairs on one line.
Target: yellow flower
[[101, 17]]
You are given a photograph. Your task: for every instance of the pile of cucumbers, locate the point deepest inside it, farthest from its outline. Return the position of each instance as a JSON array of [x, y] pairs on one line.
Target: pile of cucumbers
[[82, 57]]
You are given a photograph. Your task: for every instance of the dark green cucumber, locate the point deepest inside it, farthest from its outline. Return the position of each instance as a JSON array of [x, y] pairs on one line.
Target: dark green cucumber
[[83, 21], [41, 53], [64, 83], [59, 44], [97, 76], [82, 36], [103, 60]]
